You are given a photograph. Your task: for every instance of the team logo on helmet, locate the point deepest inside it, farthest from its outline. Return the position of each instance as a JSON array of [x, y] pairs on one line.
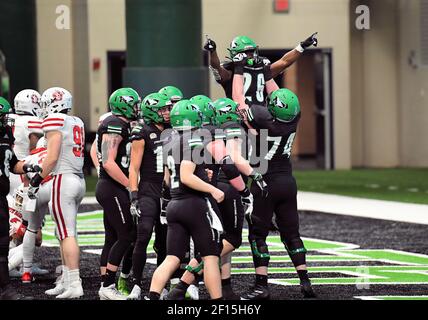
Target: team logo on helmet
[[57, 95], [34, 99], [127, 99], [280, 104], [1, 107], [233, 44], [225, 109], [152, 102]]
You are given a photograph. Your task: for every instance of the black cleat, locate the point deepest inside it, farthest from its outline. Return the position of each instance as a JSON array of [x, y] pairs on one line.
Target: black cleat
[[175, 294], [307, 290], [10, 294], [228, 293], [257, 292]]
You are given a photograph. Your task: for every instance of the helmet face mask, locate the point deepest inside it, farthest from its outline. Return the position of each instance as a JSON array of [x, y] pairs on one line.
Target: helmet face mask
[[242, 44]]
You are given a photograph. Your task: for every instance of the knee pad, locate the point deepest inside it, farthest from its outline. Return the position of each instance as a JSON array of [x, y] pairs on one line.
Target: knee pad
[[296, 250], [260, 252]]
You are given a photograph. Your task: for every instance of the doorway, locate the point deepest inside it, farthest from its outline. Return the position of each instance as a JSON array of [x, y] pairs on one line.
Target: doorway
[[310, 79]]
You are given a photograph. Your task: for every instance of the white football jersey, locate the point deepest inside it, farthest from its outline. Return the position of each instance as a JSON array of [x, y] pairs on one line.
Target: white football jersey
[[36, 157], [23, 127], [71, 155]]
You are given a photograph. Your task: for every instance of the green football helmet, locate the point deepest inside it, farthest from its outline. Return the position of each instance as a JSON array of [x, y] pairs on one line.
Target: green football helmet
[[284, 105], [241, 44], [206, 106], [226, 110], [173, 93], [125, 102], [151, 106], [185, 115], [5, 109]]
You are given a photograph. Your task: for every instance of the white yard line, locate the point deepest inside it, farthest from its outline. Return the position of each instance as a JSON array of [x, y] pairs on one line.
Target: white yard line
[[360, 207]]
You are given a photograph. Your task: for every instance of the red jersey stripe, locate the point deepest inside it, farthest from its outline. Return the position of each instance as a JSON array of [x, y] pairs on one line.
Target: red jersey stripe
[[52, 125]]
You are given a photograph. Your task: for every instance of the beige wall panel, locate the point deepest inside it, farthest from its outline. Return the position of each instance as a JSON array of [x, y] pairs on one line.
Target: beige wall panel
[[275, 31], [107, 31], [413, 108], [54, 47]]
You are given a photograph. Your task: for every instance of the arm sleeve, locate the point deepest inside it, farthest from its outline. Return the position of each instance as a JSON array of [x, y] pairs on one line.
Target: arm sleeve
[[138, 133], [267, 73], [13, 161], [260, 117], [113, 126]]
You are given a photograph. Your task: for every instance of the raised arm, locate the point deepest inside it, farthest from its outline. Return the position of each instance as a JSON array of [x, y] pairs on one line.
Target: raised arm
[[220, 73]]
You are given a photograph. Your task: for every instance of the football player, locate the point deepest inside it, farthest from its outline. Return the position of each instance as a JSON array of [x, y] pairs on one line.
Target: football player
[[65, 136], [190, 213], [8, 163], [114, 147], [237, 202], [256, 75], [280, 119], [27, 128], [146, 174]]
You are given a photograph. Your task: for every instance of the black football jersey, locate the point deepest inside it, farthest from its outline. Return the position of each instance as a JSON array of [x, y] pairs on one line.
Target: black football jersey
[[115, 125], [152, 167], [280, 137], [185, 146], [8, 159], [212, 133], [233, 130], [255, 78]]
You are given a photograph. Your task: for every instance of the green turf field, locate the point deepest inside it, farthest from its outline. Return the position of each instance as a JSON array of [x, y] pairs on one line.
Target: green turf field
[[405, 185]]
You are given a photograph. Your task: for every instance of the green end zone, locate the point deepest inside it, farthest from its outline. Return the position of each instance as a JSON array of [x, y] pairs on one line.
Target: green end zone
[[345, 263]]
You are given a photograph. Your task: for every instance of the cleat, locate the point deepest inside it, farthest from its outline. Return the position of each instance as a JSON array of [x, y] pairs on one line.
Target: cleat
[[10, 294], [175, 294], [15, 273], [74, 291], [228, 294], [39, 271], [135, 293], [110, 293], [192, 292], [307, 290], [27, 277], [59, 289], [163, 294], [122, 286], [257, 292]]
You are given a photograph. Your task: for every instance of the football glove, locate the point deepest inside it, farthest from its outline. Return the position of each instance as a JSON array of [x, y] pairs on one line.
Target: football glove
[[34, 186], [260, 183], [164, 204], [32, 168], [310, 41], [135, 206], [210, 45], [247, 201]]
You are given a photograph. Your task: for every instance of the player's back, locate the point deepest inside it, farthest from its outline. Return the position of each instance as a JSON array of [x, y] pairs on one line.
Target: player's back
[[71, 157], [185, 146], [24, 125]]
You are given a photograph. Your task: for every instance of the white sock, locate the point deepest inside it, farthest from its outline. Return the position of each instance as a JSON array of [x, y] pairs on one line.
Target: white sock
[[29, 244], [74, 275], [15, 257], [174, 281], [124, 276]]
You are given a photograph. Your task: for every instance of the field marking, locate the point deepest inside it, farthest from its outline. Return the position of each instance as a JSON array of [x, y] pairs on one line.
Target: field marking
[[392, 297]]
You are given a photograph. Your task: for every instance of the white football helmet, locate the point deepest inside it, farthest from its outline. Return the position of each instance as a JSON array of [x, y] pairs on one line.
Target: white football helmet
[[55, 100], [27, 102]]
